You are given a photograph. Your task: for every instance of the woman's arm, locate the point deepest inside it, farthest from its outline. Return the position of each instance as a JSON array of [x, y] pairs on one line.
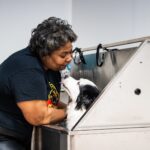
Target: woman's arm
[[36, 112]]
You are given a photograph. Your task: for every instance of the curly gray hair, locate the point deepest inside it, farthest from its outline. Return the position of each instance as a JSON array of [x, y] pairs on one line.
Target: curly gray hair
[[50, 35]]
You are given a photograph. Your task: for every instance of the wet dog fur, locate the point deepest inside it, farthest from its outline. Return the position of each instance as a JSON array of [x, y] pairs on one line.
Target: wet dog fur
[[82, 93]]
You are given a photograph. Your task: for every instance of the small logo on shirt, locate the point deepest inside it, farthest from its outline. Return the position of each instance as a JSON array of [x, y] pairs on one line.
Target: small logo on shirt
[[53, 95]]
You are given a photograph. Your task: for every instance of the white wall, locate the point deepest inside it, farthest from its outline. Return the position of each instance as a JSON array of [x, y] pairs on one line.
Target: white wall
[[19, 17], [107, 21], [95, 21]]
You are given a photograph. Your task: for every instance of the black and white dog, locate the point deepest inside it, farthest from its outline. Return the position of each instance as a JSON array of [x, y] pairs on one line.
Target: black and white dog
[[82, 93]]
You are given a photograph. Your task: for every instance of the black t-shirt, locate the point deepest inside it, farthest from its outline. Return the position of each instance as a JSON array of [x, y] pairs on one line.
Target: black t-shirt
[[22, 78]]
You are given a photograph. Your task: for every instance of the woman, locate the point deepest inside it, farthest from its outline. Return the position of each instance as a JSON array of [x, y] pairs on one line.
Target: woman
[[30, 83]]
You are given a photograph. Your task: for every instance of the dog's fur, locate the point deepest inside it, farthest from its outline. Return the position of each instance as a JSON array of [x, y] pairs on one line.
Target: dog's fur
[[82, 93]]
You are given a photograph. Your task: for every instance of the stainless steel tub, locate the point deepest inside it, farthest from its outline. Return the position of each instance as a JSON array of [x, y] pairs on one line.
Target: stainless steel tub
[[119, 118]]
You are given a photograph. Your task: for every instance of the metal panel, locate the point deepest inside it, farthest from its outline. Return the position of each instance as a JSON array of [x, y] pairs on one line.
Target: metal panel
[[102, 75], [125, 100], [125, 139], [53, 138]]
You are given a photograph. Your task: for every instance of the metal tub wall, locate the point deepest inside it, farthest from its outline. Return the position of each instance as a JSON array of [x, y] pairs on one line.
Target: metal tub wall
[[49, 138], [112, 139], [102, 75]]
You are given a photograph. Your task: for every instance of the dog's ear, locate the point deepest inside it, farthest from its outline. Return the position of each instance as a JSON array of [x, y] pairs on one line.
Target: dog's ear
[[86, 96]]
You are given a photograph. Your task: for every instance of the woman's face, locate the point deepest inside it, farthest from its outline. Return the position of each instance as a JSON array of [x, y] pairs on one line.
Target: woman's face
[[59, 58]]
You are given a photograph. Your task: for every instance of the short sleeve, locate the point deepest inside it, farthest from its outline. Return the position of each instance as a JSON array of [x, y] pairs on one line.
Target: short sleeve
[[29, 85]]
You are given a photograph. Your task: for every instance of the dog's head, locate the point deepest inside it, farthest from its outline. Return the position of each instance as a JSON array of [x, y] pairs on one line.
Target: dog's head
[[83, 91]]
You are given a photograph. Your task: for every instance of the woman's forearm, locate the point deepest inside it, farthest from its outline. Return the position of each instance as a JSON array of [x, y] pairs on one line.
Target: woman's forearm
[[36, 112]]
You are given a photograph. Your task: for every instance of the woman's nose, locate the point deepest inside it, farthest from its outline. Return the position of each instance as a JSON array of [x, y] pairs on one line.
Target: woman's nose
[[69, 58]]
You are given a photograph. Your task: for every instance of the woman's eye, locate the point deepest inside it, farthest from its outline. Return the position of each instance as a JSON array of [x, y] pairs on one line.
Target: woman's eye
[[63, 56]]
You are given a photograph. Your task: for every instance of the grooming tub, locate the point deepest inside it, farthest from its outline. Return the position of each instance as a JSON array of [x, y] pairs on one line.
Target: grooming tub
[[119, 118]]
